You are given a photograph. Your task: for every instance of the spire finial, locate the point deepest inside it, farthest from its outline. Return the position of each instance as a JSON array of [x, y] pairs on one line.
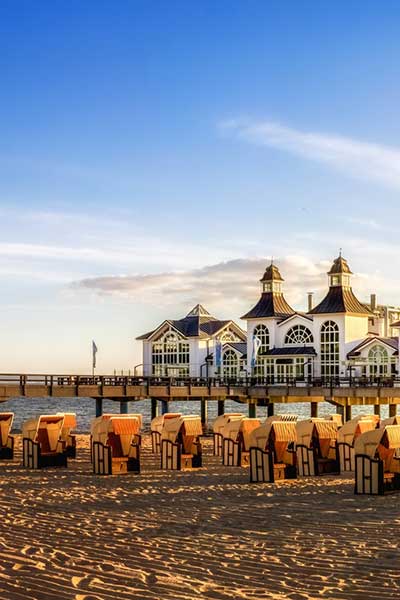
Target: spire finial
[[340, 252], [272, 260]]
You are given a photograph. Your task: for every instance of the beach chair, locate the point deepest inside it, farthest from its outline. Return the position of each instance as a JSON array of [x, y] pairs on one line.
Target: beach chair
[[316, 448], [116, 445], [272, 454], [377, 462], [6, 440], [156, 427], [42, 445], [236, 441], [180, 443], [347, 435], [106, 417], [337, 418], [66, 436], [390, 421], [218, 427]]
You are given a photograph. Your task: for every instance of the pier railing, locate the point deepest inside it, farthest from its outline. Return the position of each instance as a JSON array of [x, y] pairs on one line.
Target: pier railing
[[243, 382]]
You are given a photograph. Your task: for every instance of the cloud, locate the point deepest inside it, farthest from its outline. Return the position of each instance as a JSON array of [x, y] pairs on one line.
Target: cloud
[[228, 288], [360, 159]]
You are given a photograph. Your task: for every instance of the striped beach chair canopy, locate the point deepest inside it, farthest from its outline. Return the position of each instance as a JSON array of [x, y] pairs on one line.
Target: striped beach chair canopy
[[368, 443], [6, 421], [222, 420]]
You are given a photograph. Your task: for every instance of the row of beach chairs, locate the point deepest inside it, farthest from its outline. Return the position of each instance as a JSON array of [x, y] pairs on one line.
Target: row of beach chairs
[[279, 448]]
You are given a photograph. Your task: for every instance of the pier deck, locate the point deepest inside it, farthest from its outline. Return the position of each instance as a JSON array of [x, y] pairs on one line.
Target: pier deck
[[339, 391]]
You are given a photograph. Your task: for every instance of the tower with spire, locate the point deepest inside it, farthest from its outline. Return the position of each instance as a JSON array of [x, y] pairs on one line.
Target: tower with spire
[[272, 303]]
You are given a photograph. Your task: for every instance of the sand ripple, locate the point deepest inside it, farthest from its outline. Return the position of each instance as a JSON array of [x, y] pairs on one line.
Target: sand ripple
[[67, 534]]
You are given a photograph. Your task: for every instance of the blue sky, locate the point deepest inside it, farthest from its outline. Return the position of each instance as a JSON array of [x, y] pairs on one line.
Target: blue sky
[[156, 154]]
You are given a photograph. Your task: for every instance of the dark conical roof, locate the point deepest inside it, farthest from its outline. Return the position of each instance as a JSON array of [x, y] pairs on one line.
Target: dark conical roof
[[340, 300], [339, 266], [271, 304], [271, 274]]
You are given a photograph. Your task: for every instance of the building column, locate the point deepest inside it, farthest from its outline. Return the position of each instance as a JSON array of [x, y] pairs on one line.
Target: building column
[[123, 407], [270, 409], [392, 410], [154, 408], [314, 410], [164, 406], [204, 412], [252, 406], [99, 407], [221, 407]]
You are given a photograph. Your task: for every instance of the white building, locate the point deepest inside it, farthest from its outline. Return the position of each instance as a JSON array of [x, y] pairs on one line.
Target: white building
[[337, 338], [187, 347]]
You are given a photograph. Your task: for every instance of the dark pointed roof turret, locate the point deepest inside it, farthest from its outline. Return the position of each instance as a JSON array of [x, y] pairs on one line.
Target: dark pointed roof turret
[[272, 302], [271, 274], [340, 297], [340, 265]]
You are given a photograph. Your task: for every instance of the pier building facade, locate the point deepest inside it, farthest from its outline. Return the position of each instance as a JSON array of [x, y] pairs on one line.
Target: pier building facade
[[339, 337]]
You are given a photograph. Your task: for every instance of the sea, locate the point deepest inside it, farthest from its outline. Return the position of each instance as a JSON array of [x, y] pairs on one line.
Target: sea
[[85, 409]]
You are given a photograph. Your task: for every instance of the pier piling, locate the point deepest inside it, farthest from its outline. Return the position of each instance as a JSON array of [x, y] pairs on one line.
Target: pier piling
[[164, 406], [204, 412], [221, 407], [123, 407], [99, 407], [270, 409], [392, 410], [154, 408], [252, 410], [314, 410]]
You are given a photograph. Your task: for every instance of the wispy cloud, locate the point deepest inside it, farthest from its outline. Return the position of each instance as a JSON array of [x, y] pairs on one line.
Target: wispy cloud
[[228, 288], [360, 159]]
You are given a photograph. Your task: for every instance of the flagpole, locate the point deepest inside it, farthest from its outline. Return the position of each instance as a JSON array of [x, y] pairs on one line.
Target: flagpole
[[94, 352]]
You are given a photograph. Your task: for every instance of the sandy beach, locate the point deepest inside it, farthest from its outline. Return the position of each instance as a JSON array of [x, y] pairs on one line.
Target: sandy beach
[[67, 534]]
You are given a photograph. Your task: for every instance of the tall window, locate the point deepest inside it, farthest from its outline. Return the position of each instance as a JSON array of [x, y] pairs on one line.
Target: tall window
[[264, 366], [230, 363], [262, 333], [170, 355], [330, 349], [378, 359], [299, 335]]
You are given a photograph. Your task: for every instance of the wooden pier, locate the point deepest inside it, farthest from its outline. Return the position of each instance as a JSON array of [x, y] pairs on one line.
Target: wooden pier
[[341, 392]]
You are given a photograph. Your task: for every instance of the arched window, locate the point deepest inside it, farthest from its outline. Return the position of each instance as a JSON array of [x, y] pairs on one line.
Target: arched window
[[230, 363], [299, 335], [170, 355], [378, 359], [262, 333], [330, 355]]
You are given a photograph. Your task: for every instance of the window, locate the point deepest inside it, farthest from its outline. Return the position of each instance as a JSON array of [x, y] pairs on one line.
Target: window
[[230, 364], [262, 333], [330, 349], [378, 360], [265, 368], [299, 335], [170, 355]]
